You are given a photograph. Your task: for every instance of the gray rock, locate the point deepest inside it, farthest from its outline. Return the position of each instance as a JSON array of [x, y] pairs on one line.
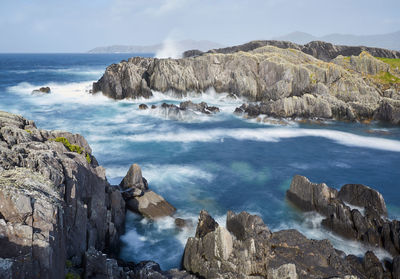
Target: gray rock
[[134, 179], [54, 203], [396, 267], [150, 205], [371, 227], [361, 195], [247, 249]]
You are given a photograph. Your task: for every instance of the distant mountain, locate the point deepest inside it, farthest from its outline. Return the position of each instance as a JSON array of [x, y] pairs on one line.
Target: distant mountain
[[388, 41], [180, 45]]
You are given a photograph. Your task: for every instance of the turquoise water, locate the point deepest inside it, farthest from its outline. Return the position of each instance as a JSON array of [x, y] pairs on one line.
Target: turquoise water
[[217, 163]]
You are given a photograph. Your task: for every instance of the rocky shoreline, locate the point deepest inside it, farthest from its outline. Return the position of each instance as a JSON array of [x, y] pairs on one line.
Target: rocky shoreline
[[60, 217], [278, 79]]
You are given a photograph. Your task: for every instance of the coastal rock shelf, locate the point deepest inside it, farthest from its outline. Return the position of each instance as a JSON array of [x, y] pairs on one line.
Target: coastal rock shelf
[[246, 248], [288, 81]]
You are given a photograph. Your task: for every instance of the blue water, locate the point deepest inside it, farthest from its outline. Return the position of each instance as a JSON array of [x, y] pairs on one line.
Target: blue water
[[216, 163]]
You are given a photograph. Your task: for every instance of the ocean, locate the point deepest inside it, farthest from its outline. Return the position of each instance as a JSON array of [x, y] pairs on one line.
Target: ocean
[[218, 163]]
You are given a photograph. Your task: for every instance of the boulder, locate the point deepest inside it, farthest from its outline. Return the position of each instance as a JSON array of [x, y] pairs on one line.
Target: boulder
[[143, 107], [150, 205], [133, 179]]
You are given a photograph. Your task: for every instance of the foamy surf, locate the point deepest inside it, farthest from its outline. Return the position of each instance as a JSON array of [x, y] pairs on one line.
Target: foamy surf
[[267, 135]]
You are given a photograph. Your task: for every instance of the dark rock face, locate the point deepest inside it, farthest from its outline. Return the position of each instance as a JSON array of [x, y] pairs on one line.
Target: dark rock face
[[143, 106], [319, 49], [140, 199], [55, 204], [396, 267], [45, 90], [206, 224], [370, 226], [247, 249]]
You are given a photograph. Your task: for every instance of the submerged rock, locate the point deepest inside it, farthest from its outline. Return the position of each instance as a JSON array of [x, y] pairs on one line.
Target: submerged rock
[[369, 226], [45, 90], [143, 106]]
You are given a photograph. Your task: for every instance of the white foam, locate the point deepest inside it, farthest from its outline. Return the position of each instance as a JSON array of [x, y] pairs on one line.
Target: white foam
[[75, 92], [268, 135], [169, 49], [174, 174]]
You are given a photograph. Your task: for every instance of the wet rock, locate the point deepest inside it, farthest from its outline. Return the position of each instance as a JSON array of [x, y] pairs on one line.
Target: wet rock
[[143, 106], [370, 227], [150, 205], [45, 90], [153, 106], [372, 266], [180, 223], [206, 224], [134, 179], [200, 107], [247, 248], [361, 195]]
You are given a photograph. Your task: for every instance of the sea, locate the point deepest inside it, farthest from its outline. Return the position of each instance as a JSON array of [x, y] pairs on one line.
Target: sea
[[214, 162]]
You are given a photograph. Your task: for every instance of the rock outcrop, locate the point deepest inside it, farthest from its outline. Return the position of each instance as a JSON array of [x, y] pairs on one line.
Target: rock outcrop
[[55, 203], [343, 217], [140, 199], [246, 248], [319, 49], [59, 217], [284, 78]]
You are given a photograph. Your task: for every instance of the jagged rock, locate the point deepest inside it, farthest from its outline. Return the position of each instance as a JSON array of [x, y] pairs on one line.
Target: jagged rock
[[361, 195], [54, 203], [206, 224], [150, 205], [45, 90], [247, 249], [133, 179], [371, 226], [372, 266], [143, 106], [288, 82]]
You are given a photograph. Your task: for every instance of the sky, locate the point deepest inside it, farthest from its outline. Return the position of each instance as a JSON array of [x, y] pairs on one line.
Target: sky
[[78, 26]]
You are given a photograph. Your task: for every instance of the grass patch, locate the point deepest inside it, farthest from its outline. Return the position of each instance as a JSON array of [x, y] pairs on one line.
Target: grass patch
[[394, 63], [28, 131], [73, 148], [88, 158], [386, 78]]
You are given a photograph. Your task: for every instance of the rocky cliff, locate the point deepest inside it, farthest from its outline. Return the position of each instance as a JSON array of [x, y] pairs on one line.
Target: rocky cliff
[[58, 214], [286, 80]]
